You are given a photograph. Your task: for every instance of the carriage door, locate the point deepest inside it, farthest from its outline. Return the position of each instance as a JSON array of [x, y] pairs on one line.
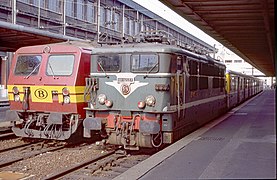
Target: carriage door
[[238, 89], [244, 88]]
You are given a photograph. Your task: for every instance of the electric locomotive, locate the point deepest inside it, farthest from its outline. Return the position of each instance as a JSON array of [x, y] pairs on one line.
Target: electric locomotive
[[147, 93], [45, 89]]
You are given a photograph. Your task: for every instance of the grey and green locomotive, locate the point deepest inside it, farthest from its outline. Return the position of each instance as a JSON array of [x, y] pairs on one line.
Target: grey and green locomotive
[[148, 94]]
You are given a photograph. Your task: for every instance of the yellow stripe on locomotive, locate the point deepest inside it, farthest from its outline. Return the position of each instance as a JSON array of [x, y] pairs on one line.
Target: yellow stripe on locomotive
[[45, 94]]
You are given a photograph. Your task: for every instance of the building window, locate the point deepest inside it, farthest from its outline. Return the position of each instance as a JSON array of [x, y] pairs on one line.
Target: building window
[[136, 28], [131, 27], [70, 8], [116, 20], [102, 16], [26, 1], [108, 19], [80, 9], [90, 12], [36, 3], [54, 5], [126, 27]]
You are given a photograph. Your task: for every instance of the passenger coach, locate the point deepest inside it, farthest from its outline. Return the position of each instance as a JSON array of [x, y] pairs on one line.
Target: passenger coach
[[241, 87]]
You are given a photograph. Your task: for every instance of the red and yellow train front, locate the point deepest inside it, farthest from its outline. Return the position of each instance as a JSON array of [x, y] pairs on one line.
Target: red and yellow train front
[[45, 88]]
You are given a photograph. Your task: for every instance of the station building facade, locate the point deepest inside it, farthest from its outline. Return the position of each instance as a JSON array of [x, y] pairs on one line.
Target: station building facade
[[95, 20]]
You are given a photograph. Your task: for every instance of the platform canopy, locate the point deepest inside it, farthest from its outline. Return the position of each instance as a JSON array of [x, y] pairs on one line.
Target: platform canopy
[[246, 27], [13, 36]]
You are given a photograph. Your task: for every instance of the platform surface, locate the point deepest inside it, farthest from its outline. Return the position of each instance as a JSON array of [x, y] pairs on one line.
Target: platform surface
[[239, 145]]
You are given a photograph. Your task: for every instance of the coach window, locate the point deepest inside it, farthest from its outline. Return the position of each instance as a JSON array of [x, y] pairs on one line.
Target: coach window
[[109, 63], [145, 63], [234, 81], [27, 65], [60, 65]]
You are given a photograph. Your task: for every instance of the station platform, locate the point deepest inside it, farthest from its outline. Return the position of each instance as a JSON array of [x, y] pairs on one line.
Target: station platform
[[239, 145]]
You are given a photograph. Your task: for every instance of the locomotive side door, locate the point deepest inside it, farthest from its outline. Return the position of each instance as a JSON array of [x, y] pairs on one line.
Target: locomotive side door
[[238, 89], [177, 83]]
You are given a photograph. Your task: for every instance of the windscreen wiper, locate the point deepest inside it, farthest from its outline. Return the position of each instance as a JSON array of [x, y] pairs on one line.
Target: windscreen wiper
[[102, 69], [150, 70], [26, 77], [53, 74]]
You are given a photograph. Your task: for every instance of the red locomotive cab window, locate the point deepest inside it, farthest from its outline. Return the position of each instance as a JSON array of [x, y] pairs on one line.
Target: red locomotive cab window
[[27, 65], [60, 65]]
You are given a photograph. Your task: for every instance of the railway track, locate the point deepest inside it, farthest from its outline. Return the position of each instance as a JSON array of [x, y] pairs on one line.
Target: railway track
[[63, 162], [24, 151], [105, 166], [76, 167], [7, 135], [17, 146]]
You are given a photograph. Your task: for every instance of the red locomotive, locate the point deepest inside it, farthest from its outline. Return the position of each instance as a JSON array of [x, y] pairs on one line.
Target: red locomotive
[[45, 89]]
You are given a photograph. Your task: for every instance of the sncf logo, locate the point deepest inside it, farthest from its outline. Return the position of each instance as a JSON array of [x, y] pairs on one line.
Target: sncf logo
[[41, 93]]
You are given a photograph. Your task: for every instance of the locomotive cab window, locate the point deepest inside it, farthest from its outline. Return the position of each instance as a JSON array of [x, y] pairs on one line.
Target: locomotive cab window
[[145, 63], [27, 65], [109, 63], [60, 65]]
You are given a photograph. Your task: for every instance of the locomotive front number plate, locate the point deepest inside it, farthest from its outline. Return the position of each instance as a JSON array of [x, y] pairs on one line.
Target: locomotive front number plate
[[124, 80]]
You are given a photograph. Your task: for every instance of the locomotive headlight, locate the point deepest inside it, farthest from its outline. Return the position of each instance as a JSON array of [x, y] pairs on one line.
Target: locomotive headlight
[[65, 91], [150, 100], [102, 98], [16, 94], [109, 103], [15, 90], [141, 104], [66, 99], [16, 98]]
